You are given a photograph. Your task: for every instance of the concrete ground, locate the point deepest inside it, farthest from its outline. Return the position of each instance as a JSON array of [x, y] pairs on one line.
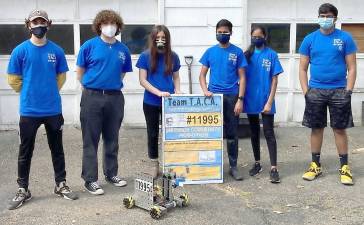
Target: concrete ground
[[253, 201]]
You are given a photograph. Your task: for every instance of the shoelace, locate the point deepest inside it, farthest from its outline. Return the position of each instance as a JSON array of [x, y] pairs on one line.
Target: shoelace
[[20, 194], [346, 172], [115, 179], [65, 189], [95, 185]]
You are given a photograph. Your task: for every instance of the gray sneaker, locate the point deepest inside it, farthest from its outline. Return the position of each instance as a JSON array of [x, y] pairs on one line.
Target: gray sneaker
[[64, 191], [116, 181], [235, 173], [21, 196]]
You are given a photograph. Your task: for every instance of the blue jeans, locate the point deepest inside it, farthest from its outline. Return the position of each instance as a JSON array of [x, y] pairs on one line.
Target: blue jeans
[[231, 123]]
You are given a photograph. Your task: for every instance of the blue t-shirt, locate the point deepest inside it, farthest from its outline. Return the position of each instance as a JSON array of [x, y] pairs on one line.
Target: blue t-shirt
[[224, 64], [103, 63], [327, 57], [159, 80], [262, 67], [38, 67]]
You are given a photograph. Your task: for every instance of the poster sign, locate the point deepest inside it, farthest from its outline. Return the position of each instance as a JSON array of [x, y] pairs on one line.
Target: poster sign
[[193, 138]]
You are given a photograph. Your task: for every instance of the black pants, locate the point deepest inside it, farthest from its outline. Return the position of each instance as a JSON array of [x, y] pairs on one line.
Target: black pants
[[231, 123], [152, 114], [101, 113], [27, 132], [268, 122]]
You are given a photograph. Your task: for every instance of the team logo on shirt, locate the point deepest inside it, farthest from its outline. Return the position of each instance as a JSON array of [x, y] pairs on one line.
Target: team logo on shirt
[[233, 58], [52, 58], [266, 63], [339, 43], [122, 56]]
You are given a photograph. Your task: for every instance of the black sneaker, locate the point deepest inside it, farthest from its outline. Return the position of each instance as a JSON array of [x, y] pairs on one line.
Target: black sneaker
[[235, 173], [94, 188], [274, 176], [255, 170], [64, 191], [115, 180], [21, 196]]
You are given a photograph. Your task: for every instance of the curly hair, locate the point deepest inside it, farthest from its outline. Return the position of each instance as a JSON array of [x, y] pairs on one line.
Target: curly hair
[[107, 16]]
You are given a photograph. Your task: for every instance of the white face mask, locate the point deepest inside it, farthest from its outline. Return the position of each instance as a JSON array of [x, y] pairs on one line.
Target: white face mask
[[108, 30]]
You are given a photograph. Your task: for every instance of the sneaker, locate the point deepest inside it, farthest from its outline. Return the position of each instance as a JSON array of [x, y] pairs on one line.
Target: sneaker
[[115, 180], [94, 188], [21, 196], [312, 172], [256, 169], [345, 175], [235, 173], [64, 191], [274, 176]]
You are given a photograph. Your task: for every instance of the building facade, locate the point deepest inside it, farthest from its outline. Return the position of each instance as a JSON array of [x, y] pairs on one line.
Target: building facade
[[192, 26]]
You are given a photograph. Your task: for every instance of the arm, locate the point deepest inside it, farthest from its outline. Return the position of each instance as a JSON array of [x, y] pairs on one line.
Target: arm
[[61, 79], [202, 79], [273, 90], [304, 61], [177, 82], [144, 83], [80, 71], [351, 65], [239, 104], [15, 82]]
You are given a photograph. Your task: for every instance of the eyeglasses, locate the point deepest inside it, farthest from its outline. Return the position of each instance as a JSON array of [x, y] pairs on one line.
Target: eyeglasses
[[327, 16]]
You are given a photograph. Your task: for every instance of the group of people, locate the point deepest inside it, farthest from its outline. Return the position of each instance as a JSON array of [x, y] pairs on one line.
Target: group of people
[[247, 79]]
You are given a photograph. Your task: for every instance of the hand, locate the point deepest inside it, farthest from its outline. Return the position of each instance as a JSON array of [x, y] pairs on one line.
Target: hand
[[208, 93], [238, 107], [164, 94], [267, 108]]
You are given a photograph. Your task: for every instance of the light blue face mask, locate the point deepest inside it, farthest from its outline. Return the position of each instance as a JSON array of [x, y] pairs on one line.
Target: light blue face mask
[[326, 23]]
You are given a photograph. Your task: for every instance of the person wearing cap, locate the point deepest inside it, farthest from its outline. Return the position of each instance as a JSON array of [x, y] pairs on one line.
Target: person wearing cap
[[37, 70], [101, 66]]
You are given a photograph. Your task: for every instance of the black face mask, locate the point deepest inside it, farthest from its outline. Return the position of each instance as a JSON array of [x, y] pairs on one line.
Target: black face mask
[[39, 32]]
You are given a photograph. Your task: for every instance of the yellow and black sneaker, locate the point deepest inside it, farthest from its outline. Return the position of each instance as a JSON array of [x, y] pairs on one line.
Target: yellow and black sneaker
[[345, 175], [312, 172]]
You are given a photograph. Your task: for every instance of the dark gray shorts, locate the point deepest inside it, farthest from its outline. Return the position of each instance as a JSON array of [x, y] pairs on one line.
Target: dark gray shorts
[[337, 100]]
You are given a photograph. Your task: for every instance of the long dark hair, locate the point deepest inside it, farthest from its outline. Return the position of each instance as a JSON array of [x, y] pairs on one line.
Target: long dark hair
[[249, 52], [167, 50]]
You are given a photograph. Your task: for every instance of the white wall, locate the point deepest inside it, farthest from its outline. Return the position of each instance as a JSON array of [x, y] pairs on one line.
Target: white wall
[[192, 25]]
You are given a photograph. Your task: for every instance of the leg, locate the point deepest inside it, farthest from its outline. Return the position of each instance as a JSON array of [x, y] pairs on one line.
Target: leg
[[255, 135], [91, 124], [268, 128], [53, 126], [113, 116], [28, 127], [152, 114], [231, 127]]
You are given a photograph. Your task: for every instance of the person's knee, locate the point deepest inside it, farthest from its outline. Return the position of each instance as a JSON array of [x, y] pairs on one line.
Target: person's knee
[[317, 131], [268, 133], [340, 132]]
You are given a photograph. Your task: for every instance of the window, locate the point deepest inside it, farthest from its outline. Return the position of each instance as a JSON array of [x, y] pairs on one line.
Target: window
[[278, 36], [62, 35], [133, 36], [11, 35], [303, 30], [357, 31]]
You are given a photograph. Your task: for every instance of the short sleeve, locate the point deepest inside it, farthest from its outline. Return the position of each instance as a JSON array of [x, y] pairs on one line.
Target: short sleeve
[[205, 59], [176, 63], [305, 46], [15, 65], [142, 62], [350, 46], [83, 55], [276, 66], [62, 66], [242, 60], [127, 66]]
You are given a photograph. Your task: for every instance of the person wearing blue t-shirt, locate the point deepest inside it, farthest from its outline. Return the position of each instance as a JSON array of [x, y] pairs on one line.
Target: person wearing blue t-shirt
[[158, 74], [331, 55], [261, 85], [37, 70], [101, 66], [227, 76]]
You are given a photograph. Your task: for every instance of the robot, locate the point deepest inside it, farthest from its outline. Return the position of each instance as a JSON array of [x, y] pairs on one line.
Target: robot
[[156, 195]]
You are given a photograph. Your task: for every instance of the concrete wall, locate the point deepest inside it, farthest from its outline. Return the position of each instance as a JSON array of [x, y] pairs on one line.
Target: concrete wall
[[192, 25]]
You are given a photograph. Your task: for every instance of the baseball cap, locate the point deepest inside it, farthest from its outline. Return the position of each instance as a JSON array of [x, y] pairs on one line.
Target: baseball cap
[[37, 13]]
